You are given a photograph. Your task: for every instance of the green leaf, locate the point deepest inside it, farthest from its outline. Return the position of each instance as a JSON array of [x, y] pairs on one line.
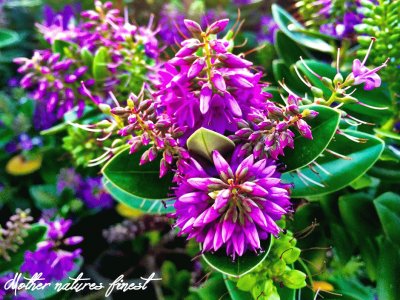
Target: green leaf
[[282, 73], [101, 58], [61, 47], [336, 172], [87, 58], [388, 134], [388, 207], [150, 206], [378, 97], [295, 31], [388, 265], [44, 196], [35, 234], [242, 265], [234, 291], [323, 128], [204, 141], [8, 37], [213, 289], [136, 186], [283, 43], [51, 291], [360, 218]]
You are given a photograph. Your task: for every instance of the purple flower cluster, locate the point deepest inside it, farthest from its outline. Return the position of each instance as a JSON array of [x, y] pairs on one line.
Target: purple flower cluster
[[61, 78], [90, 189], [23, 143], [205, 85], [55, 81], [340, 25], [233, 204], [49, 258], [230, 202], [172, 29]]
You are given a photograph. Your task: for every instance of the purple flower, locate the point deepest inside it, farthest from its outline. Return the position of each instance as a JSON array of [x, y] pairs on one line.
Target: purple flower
[[94, 195], [267, 30], [49, 258], [232, 205], [68, 179], [362, 74], [212, 91]]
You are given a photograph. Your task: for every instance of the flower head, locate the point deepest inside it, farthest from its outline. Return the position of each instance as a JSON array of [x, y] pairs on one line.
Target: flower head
[[94, 195], [49, 258], [363, 74], [232, 204]]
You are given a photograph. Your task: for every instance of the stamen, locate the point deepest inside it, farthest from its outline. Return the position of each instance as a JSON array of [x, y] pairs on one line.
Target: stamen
[[307, 83], [372, 107], [322, 168], [309, 179], [309, 69], [114, 99], [369, 51], [338, 154], [338, 61]]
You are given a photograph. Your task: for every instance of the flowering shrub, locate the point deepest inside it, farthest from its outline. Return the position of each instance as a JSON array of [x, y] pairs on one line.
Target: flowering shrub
[[240, 158]]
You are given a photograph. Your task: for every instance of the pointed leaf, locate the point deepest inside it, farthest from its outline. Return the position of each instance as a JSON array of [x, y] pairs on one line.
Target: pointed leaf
[[323, 128], [336, 172], [388, 207], [242, 265], [283, 43], [203, 141], [101, 58], [136, 186], [295, 31]]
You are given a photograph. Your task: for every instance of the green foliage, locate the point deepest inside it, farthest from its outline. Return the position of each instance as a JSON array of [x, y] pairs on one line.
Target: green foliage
[[204, 141], [294, 30], [275, 276], [382, 21], [34, 235], [136, 186], [333, 172], [388, 207], [242, 264], [175, 282], [323, 128]]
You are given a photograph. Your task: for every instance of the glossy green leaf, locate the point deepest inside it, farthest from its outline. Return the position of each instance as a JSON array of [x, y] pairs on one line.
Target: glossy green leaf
[[234, 292], [213, 289], [101, 58], [149, 206], [282, 73], [388, 208], [323, 129], [336, 172], [387, 134], [35, 234], [60, 46], [204, 141], [386, 170], [295, 31], [378, 97], [360, 218], [8, 37], [283, 43], [136, 186], [87, 58], [388, 265], [242, 265], [44, 196], [51, 291]]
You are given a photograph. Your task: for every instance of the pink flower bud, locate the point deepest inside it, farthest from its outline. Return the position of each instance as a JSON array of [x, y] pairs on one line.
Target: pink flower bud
[[196, 68], [234, 61], [193, 26], [217, 26]]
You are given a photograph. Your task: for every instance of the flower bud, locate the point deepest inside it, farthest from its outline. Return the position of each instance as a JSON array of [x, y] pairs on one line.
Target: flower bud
[[217, 26], [294, 279], [338, 79], [193, 27]]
